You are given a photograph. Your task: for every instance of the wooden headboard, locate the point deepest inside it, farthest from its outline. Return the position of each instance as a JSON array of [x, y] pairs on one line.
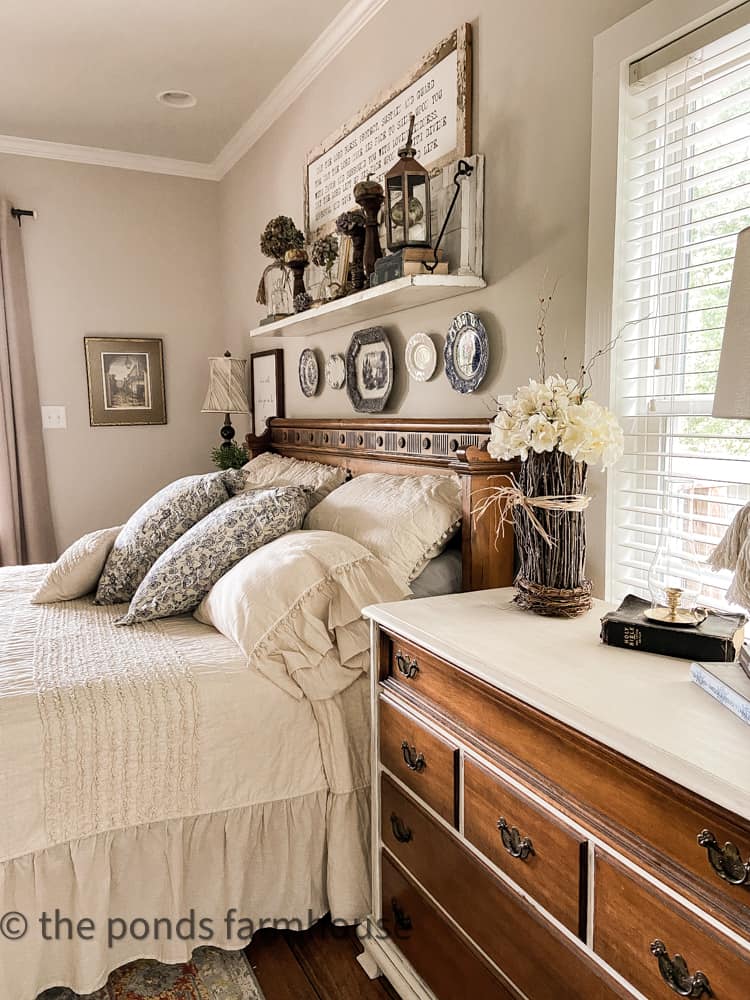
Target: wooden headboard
[[411, 447]]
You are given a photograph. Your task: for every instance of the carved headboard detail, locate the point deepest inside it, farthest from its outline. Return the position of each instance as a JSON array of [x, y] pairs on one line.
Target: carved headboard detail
[[410, 447]]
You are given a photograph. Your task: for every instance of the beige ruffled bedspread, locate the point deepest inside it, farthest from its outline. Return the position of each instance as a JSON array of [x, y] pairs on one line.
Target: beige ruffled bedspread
[[150, 773]]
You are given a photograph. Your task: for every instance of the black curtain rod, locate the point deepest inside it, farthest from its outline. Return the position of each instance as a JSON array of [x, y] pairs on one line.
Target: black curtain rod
[[22, 213]]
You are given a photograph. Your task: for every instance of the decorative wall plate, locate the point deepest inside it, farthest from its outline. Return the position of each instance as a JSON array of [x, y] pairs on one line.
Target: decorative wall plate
[[369, 370], [466, 352], [308, 372], [421, 357], [336, 371]]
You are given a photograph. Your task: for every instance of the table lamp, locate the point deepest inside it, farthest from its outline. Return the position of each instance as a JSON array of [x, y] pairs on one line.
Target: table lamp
[[732, 402], [226, 392]]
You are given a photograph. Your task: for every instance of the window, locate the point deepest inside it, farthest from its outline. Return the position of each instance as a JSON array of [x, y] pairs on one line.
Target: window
[[684, 193]]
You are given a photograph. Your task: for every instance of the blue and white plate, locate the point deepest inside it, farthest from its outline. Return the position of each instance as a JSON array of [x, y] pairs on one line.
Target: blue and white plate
[[309, 375], [466, 352]]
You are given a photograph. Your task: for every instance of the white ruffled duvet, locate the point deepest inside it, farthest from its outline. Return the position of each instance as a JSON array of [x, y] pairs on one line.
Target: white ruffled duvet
[[153, 774]]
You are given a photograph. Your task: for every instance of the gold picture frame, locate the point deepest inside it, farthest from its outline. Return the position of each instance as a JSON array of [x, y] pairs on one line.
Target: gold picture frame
[[125, 378]]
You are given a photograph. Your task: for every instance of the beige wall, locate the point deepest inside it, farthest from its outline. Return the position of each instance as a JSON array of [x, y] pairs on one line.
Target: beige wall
[[118, 252], [533, 68], [532, 121]]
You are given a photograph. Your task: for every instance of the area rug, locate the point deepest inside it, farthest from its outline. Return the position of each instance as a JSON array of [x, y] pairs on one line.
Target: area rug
[[211, 975]]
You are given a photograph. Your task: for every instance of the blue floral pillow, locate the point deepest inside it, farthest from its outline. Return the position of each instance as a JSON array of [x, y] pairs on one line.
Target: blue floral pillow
[[158, 524], [181, 577]]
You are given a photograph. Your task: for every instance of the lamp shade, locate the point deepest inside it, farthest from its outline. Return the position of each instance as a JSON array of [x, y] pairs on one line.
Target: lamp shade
[[226, 386], [732, 397]]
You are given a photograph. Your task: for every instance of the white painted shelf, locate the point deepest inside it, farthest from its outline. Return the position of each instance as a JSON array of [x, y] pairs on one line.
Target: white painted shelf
[[372, 303]]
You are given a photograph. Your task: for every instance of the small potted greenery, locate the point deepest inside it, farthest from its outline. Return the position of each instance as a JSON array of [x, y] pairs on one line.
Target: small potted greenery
[[233, 456]]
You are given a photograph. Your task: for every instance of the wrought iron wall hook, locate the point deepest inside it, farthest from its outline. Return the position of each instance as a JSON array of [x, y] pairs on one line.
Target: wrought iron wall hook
[[22, 213], [463, 169]]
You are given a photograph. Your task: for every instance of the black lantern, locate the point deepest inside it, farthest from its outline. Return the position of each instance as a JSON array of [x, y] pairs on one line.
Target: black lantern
[[407, 192]]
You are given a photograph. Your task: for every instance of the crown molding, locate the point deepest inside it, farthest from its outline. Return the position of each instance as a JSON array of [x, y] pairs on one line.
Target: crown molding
[[41, 149], [342, 29]]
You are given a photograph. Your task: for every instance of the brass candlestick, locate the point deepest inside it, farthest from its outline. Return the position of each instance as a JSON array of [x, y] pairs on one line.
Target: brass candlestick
[[673, 614], [673, 602]]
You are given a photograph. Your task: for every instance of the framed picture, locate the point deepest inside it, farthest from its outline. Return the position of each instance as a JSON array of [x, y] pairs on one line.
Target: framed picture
[[369, 370], [125, 380], [438, 91], [266, 388]]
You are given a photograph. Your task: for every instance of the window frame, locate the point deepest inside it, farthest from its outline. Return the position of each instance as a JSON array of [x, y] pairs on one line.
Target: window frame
[[655, 25]]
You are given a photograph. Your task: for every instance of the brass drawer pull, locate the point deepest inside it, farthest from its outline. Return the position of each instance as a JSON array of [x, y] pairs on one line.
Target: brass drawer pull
[[726, 861], [516, 845], [674, 972], [413, 760], [409, 668], [402, 919], [401, 831]]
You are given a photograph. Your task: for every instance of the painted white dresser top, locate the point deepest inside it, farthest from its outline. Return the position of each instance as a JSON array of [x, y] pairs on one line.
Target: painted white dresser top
[[642, 705]]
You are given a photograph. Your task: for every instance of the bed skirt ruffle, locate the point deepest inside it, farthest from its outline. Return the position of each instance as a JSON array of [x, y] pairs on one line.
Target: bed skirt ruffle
[[141, 894]]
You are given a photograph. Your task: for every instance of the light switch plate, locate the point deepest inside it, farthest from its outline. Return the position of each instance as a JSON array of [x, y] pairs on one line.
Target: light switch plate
[[54, 417]]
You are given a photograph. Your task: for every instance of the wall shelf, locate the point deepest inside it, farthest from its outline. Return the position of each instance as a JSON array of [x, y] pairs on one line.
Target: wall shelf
[[372, 303]]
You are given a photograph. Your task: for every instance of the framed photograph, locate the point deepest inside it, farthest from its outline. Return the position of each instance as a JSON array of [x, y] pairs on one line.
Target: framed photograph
[[369, 370], [125, 380], [266, 388]]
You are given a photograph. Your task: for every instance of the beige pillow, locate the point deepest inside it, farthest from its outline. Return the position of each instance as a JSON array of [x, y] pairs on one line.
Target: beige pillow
[[294, 607], [403, 520], [78, 569], [269, 469]]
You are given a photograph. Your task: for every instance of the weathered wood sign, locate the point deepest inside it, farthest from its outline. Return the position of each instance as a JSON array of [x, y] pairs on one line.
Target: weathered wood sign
[[437, 92]]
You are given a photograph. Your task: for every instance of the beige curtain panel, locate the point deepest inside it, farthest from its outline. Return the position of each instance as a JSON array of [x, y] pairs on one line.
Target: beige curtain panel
[[26, 531]]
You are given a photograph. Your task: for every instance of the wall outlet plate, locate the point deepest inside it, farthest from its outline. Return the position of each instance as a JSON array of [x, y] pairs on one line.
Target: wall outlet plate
[[54, 418]]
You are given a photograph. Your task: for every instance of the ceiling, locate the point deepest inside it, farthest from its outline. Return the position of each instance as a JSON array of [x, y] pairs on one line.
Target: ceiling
[[87, 72]]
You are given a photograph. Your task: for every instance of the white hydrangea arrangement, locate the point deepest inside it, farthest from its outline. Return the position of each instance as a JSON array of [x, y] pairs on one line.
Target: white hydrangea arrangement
[[555, 414], [557, 432]]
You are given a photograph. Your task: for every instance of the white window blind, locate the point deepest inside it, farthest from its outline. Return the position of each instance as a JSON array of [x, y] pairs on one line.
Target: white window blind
[[684, 196]]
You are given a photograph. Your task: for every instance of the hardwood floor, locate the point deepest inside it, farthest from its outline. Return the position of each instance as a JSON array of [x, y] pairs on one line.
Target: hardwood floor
[[319, 964]]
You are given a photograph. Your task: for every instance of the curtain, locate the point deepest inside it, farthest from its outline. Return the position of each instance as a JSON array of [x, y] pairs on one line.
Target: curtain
[[26, 531]]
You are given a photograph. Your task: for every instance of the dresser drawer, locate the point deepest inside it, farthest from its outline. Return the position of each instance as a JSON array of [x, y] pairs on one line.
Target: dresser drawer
[[639, 930], [541, 854], [533, 954], [626, 804], [414, 669], [449, 966], [420, 758]]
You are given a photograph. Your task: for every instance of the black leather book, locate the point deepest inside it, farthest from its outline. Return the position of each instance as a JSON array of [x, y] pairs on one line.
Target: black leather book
[[717, 639]]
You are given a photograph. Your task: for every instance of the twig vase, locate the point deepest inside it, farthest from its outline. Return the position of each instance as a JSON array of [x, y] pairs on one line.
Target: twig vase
[[551, 578]]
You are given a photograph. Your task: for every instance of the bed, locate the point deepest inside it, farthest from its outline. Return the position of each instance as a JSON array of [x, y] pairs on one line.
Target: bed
[[155, 793]]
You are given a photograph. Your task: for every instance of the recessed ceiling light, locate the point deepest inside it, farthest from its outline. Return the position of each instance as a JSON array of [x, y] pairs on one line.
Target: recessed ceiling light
[[177, 99]]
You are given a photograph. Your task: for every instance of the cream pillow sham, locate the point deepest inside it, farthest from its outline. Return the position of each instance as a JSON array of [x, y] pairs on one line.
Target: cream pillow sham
[[403, 520], [78, 569], [269, 469], [294, 607]]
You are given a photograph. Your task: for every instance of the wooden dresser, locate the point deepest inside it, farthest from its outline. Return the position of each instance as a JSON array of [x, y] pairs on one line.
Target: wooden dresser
[[550, 814]]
